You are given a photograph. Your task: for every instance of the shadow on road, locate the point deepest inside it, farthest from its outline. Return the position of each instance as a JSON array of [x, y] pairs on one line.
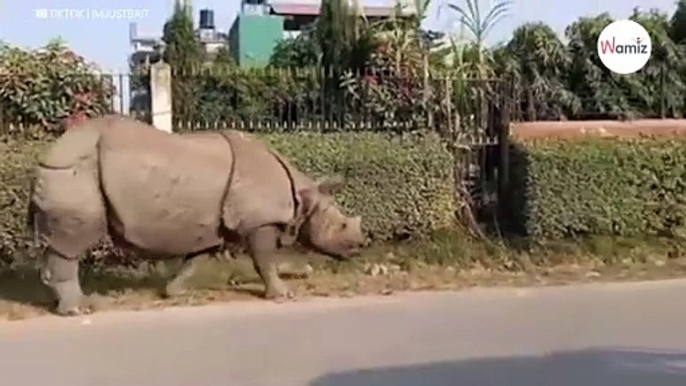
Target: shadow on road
[[580, 368], [23, 286]]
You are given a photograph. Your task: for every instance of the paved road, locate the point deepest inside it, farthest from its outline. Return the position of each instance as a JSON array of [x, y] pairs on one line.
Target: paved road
[[604, 335]]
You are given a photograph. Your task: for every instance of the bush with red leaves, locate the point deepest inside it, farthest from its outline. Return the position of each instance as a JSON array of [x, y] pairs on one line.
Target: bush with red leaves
[[51, 88]]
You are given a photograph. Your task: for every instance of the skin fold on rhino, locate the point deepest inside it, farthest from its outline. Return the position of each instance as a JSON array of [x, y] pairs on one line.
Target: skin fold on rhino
[[176, 194]]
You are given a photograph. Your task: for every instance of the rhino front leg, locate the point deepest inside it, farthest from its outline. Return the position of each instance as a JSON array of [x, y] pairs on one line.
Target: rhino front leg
[[61, 274], [262, 245]]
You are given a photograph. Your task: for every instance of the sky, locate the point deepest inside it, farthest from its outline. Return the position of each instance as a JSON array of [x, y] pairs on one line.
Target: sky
[[104, 40]]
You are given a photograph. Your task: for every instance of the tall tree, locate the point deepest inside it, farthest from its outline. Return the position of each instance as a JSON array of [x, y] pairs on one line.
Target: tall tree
[[654, 90], [598, 88], [185, 55], [661, 81], [343, 35], [537, 61], [677, 25]]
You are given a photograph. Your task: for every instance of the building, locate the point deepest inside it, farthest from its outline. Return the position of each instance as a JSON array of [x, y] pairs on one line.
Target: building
[[145, 48], [261, 25], [209, 36], [254, 34], [297, 16], [148, 49]]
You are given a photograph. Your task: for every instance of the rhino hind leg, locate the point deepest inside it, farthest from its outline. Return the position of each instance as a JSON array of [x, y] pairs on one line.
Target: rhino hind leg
[[179, 282], [61, 274], [262, 246], [71, 218]]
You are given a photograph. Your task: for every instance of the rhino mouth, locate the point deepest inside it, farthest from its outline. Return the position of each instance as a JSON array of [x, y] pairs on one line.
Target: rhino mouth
[[341, 254], [347, 253]]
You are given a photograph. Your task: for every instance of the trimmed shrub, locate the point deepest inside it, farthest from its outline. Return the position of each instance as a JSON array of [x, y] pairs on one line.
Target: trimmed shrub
[[615, 187], [401, 186]]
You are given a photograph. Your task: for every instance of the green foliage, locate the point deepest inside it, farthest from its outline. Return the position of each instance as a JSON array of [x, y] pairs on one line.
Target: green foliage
[[256, 100], [677, 24], [343, 35], [185, 55], [610, 187], [537, 62], [301, 51], [223, 57], [17, 160], [402, 186], [553, 80], [49, 87]]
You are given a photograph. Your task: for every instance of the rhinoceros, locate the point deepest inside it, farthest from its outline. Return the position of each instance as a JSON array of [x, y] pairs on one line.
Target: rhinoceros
[[167, 194]]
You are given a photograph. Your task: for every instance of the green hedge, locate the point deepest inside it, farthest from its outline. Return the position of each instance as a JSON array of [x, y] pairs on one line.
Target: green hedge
[[399, 185], [16, 163], [616, 187]]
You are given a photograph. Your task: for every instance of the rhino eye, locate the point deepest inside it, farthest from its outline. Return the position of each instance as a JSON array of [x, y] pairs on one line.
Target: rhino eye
[[344, 225]]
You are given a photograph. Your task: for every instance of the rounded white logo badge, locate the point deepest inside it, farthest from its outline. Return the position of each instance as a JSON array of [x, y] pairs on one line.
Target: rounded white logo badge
[[624, 46]]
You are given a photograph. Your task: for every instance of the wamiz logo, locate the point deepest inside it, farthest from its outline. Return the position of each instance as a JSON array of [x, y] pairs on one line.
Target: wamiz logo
[[624, 46], [611, 47]]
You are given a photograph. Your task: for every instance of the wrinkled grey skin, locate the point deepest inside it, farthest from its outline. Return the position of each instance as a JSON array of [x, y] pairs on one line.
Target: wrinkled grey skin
[[167, 194]]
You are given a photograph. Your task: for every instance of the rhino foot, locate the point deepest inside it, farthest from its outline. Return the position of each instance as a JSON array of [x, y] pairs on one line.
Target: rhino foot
[[70, 312], [279, 293], [174, 289], [62, 310]]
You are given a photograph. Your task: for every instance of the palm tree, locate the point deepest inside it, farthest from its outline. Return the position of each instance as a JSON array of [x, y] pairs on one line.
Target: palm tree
[[479, 26], [536, 61], [403, 34], [471, 59]]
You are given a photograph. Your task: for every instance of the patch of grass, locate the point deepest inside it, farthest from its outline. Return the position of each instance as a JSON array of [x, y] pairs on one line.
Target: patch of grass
[[446, 261], [606, 250]]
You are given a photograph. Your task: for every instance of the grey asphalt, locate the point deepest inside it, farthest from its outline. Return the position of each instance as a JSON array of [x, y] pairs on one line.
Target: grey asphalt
[[586, 335]]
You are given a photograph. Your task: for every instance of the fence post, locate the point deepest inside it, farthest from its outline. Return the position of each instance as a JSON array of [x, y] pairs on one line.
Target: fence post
[[663, 109], [504, 150], [161, 96]]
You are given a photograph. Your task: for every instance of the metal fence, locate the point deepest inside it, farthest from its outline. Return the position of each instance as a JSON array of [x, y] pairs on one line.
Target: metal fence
[[468, 114]]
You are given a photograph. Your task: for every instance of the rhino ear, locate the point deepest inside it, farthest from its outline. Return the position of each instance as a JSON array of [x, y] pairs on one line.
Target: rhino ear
[[331, 186], [309, 198]]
